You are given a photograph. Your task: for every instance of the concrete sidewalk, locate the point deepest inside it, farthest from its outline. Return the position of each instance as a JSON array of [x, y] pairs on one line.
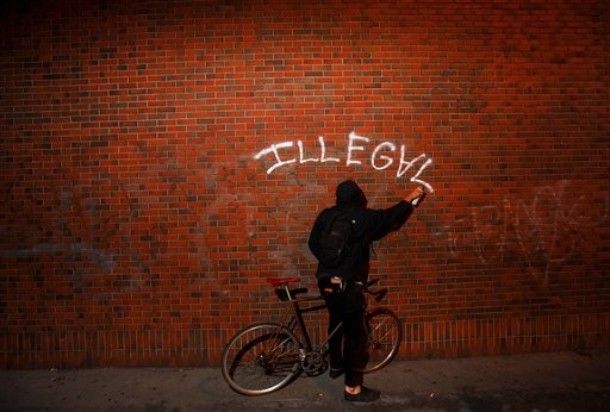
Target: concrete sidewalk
[[557, 381]]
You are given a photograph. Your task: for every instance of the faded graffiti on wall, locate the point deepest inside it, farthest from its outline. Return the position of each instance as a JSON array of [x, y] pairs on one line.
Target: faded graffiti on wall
[[544, 230]]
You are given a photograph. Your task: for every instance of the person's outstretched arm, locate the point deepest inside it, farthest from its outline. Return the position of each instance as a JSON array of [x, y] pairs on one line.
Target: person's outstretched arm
[[385, 221]]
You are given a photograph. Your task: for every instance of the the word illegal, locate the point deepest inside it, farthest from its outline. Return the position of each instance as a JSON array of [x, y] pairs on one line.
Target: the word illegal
[[379, 159]]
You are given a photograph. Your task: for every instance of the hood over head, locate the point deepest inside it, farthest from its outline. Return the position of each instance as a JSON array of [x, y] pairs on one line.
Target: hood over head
[[349, 194]]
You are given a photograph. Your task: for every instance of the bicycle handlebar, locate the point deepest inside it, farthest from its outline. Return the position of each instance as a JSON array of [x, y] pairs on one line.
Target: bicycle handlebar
[[371, 282], [378, 294], [286, 295]]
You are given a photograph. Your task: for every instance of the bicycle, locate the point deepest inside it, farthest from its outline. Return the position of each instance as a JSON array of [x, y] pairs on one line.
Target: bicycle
[[265, 357]]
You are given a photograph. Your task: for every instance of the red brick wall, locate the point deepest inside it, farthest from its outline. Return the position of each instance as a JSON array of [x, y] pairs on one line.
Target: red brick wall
[[137, 227]]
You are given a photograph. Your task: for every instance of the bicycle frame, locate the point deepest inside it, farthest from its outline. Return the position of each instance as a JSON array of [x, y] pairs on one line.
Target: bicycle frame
[[251, 367], [297, 318]]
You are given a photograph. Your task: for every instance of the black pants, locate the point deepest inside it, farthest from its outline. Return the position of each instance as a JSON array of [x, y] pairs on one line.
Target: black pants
[[348, 347]]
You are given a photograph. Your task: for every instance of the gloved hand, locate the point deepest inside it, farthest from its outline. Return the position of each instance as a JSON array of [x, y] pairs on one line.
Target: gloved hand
[[416, 196]]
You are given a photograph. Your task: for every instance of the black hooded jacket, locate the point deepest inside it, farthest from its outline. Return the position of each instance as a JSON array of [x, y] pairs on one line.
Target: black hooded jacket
[[371, 225]]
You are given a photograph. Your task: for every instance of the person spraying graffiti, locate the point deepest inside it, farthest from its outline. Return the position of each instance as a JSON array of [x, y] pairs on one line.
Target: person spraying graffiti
[[340, 239]]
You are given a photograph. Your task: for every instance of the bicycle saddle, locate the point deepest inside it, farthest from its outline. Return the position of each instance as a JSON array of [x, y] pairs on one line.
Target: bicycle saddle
[[277, 282]]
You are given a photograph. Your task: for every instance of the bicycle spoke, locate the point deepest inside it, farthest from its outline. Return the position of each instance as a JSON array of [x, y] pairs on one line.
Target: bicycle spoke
[[384, 338], [260, 359], [379, 338]]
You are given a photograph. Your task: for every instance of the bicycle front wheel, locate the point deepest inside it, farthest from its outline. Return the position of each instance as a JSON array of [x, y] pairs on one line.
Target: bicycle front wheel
[[384, 337], [260, 359]]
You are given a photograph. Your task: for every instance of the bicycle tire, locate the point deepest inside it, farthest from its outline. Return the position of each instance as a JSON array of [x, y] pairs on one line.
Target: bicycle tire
[[260, 359], [384, 338]]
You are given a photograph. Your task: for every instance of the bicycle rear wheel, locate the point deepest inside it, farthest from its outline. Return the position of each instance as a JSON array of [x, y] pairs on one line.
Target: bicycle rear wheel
[[260, 359], [384, 337]]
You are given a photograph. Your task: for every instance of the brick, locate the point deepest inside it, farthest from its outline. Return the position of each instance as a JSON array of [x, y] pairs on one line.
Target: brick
[[137, 227]]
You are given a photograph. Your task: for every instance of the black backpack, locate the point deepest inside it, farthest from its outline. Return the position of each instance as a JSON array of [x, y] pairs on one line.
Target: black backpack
[[336, 238]]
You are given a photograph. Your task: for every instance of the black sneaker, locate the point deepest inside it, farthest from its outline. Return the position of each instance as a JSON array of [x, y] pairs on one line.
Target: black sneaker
[[365, 395], [335, 373]]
